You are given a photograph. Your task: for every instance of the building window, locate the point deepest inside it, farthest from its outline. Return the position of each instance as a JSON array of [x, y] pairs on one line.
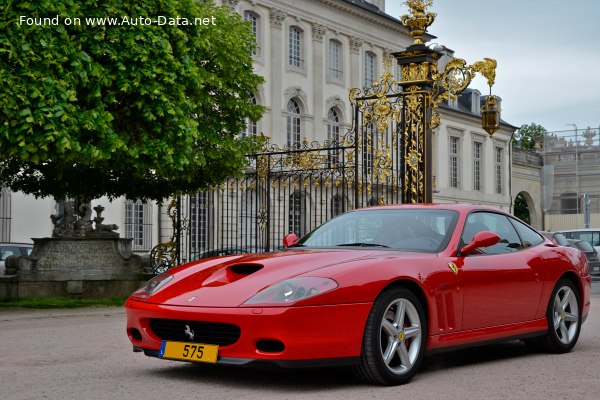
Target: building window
[[248, 220], [370, 60], [138, 225], [453, 101], [5, 215], [475, 102], [295, 48], [198, 223], [499, 168], [335, 60], [333, 134], [369, 144], [253, 19], [454, 161], [251, 127], [337, 205], [477, 165], [568, 203], [296, 213], [293, 123]]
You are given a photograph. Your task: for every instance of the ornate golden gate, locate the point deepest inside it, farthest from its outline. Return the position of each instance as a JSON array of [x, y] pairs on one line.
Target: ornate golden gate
[[384, 158]]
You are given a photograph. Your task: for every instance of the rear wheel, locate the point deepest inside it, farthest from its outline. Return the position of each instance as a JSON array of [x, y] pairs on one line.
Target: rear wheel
[[394, 338], [564, 321]]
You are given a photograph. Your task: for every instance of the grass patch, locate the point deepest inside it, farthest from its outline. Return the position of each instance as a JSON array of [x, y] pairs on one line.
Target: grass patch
[[61, 302]]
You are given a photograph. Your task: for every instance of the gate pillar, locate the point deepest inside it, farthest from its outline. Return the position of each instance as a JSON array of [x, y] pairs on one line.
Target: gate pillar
[[424, 87]]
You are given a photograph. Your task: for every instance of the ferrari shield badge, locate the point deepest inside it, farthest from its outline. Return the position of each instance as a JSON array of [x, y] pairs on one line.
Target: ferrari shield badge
[[453, 268]]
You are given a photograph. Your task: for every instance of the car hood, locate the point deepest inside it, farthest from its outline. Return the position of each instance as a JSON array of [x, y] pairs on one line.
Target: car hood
[[232, 281]]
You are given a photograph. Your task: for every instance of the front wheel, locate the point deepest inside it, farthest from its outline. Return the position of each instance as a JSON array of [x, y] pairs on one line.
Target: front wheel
[[564, 320], [394, 339]]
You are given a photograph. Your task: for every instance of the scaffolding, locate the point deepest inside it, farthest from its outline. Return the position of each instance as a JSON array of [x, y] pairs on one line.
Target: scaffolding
[[571, 172]]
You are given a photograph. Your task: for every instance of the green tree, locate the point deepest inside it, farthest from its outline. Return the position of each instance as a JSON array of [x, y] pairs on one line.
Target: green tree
[[527, 135], [141, 109], [521, 209]]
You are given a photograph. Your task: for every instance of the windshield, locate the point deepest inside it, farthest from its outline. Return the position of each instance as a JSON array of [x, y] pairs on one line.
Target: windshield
[[420, 230]]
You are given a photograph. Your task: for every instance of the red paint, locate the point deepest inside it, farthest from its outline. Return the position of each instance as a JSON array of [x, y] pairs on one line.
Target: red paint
[[486, 298]]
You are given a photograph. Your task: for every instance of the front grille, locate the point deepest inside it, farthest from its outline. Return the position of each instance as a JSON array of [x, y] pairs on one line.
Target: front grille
[[203, 332]]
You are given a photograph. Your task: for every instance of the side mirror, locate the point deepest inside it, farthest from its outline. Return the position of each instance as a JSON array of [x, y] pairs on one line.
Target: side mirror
[[290, 239], [481, 239]]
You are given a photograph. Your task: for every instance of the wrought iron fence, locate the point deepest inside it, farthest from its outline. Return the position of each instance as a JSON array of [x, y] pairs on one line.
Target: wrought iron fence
[[297, 188]]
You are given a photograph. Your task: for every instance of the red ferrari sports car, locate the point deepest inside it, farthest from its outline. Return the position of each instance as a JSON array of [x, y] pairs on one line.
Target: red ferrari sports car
[[375, 288]]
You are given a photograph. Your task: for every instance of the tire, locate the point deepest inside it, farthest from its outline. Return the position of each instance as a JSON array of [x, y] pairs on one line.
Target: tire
[[564, 320], [394, 338]]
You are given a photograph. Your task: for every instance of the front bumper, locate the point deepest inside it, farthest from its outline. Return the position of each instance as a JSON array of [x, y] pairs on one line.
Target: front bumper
[[316, 335]]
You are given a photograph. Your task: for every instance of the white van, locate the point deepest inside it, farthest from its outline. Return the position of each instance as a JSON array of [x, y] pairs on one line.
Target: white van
[[590, 235]]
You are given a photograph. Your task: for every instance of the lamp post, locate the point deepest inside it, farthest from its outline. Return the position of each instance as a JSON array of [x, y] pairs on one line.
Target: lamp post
[[424, 88], [576, 164]]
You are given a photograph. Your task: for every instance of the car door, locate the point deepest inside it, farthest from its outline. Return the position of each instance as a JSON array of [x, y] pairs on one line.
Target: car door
[[501, 283]]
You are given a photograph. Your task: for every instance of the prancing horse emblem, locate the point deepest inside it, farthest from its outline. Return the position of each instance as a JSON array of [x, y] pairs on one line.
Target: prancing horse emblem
[[189, 332], [453, 268]]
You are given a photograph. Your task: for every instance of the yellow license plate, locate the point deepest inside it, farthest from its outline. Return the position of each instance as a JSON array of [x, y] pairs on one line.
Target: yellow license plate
[[196, 352]]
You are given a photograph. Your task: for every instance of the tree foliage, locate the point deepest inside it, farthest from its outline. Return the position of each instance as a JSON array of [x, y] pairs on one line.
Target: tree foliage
[[521, 209], [528, 134], [142, 110]]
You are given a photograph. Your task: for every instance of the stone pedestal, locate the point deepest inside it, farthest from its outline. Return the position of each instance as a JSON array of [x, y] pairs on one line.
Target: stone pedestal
[[79, 267]]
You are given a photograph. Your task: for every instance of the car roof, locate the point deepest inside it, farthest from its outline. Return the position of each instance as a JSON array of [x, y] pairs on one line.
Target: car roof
[[580, 230], [461, 207]]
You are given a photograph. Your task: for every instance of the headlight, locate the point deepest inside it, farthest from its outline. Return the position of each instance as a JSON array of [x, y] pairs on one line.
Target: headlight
[[152, 286], [293, 290]]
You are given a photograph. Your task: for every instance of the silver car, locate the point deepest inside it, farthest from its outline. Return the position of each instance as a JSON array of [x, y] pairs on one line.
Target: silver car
[[13, 249]]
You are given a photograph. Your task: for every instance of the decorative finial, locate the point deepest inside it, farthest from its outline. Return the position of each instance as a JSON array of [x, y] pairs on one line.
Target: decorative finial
[[418, 21]]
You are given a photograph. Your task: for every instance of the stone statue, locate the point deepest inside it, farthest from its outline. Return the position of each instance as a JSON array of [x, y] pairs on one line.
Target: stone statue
[[74, 219]]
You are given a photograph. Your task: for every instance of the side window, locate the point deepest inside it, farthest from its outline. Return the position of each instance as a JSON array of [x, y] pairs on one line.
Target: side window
[[497, 223], [529, 237]]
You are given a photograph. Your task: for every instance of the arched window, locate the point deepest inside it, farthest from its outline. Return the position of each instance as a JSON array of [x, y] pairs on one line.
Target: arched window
[[370, 61], [251, 127], [335, 60], [333, 134], [293, 123], [295, 47], [254, 21], [333, 125]]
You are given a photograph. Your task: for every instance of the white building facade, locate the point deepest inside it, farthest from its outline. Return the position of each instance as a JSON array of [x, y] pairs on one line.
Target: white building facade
[[311, 52]]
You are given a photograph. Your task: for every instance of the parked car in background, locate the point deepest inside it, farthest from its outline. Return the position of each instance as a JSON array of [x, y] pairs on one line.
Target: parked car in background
[[590, 235], [13, 249], [590, 253], [556, 238]]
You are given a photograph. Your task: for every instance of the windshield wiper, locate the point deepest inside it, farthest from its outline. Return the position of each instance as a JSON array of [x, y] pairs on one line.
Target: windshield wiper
[[362, 244]]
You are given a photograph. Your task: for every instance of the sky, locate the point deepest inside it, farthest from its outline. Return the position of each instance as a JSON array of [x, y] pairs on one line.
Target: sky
[[548, 54]]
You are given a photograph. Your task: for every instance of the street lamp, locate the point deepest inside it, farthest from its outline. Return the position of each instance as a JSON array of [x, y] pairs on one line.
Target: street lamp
[[424, 87], [576, 163]]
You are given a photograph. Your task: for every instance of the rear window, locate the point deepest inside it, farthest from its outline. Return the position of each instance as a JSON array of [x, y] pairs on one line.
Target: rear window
[[592, 237], [7, 251], [560, 239]]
